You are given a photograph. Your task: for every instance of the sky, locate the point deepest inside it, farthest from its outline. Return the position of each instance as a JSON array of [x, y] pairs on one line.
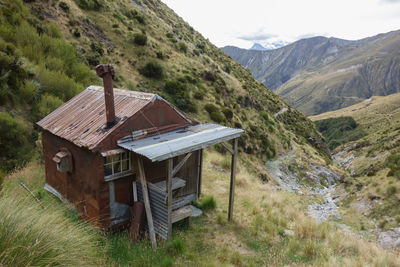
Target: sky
[[273, 23]]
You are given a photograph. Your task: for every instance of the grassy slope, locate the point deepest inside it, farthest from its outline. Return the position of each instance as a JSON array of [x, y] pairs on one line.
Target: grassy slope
[[369, 69], [255, 238], [205, 73], [371, 182]]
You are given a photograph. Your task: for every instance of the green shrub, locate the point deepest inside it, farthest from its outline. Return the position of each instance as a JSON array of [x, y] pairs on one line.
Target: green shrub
[[140, 38], [182, 47], [207, 203], [393, 163], [152, 69], [175, 87], [217, 116], [176, 246], [15, 136], [29, 91], [228, 113], [90, 4], [58, 84], [199, 94], [210, 108], [53, 31], [47, 104], [391, 190], [339, 131]]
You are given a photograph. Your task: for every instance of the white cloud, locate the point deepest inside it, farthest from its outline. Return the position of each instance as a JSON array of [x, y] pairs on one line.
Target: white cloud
[[240, 23]]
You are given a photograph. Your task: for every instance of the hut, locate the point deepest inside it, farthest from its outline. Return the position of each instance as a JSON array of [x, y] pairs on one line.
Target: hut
[[107, 147]]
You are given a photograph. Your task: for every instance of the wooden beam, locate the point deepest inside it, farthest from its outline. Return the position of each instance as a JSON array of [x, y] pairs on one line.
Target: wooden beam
[[134, 190], [200, 171], [180, 164], [228, 148], [147, 204], [233, 177], [169, 195]]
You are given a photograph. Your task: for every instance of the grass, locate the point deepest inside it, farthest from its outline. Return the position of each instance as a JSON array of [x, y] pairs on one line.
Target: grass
[[255, 237]]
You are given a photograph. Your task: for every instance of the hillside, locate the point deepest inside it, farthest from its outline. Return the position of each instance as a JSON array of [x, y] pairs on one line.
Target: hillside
[[372, 160], [320, 74], [49, 50]]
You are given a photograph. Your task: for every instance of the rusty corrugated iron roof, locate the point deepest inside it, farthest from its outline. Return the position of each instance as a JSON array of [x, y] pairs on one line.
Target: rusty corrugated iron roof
[[82, 120]]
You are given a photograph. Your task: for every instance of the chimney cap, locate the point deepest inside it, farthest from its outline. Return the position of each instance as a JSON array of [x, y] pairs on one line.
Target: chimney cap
[[103, 69]]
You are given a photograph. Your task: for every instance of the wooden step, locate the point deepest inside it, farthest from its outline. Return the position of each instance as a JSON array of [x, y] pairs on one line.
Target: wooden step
[[181, 214], [183, 201], [176, 184]]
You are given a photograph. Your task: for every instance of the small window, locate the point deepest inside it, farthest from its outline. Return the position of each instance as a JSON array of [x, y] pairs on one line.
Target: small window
[[117, 163]]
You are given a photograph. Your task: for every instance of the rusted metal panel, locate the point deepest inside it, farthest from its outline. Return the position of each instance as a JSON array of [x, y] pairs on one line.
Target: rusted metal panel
[[82, 120]]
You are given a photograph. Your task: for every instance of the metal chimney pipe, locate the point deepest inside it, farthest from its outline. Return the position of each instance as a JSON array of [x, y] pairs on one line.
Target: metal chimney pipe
[[106, 71]]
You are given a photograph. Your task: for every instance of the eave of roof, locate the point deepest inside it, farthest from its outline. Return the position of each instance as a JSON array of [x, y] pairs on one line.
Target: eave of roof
[[180, 141]]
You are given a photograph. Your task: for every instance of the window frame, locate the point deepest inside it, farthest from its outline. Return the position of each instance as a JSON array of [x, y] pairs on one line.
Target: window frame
[[111, 163]]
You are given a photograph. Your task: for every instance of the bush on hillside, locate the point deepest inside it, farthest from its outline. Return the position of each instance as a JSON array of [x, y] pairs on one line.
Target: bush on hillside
[[140, 38], [180, 95], [15, 139], [152, 69], [90, 4], [210, 108], [182, 47], [338, 131], [393, 163], [217, 116], [228, 113]]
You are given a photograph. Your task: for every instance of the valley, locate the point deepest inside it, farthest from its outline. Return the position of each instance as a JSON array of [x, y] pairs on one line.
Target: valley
[[320, 74]]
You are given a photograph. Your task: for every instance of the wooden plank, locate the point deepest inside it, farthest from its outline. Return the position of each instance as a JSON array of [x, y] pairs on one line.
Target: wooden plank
[[180, 164], [134, 190], [169, 196], [230, 150], [233, 177], [147, 204], [176, 184], [183, 201], [181, 214], [200, 172]]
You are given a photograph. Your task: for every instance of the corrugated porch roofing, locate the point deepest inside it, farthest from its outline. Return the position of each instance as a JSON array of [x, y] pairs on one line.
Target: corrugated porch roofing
[[180, 141]]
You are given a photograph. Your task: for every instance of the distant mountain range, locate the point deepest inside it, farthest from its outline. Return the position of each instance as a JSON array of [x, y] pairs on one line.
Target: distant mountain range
[[320, 74], [257, 46]]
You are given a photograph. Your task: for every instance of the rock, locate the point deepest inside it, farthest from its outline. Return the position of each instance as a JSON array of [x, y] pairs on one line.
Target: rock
[[336, 216], [289, 232], [390, 239], [313, 178], [328, 174]]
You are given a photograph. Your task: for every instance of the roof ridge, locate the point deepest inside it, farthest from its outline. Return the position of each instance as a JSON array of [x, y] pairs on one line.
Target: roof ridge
[[125, 92]]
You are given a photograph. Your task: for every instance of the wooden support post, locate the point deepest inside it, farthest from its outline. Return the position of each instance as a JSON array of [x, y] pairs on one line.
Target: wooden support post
[[199, 172], [147, 204], [180, 164], [169, 196], [233, 177]]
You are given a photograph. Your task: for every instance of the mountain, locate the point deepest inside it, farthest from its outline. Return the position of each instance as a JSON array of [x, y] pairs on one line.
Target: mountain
[[48, 50], [257, 46], [319, 74], [373, 159], [48, 55]]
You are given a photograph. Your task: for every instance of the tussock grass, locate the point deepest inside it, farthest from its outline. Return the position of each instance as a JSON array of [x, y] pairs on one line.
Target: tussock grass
[[30, 236]]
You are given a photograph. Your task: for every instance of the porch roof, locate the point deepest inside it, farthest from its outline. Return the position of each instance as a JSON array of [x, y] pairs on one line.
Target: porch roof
[[179, 141]]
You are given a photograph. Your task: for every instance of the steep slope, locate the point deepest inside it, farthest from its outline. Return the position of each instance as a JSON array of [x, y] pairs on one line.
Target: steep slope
[[319, 74], [153, 50], [373, 161]]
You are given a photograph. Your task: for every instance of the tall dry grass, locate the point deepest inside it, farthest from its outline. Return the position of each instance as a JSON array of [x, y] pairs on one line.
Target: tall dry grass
[[31, 236]]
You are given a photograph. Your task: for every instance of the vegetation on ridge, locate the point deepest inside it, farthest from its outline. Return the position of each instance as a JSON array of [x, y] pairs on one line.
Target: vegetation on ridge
[[48, 52]]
